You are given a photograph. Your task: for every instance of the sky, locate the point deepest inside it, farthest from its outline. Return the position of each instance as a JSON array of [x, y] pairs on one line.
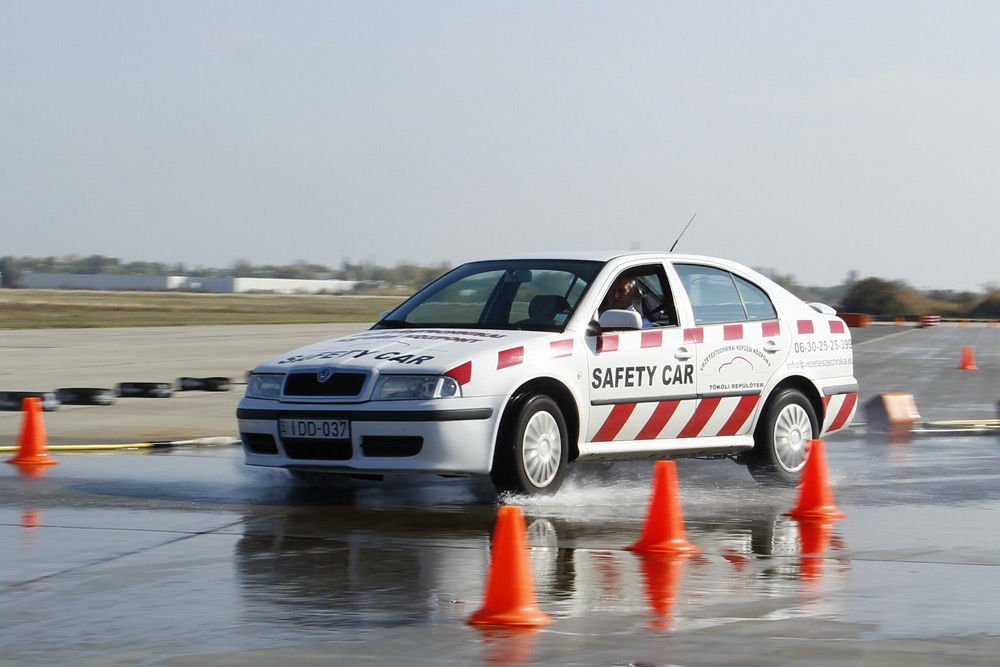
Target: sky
[[811, 138]]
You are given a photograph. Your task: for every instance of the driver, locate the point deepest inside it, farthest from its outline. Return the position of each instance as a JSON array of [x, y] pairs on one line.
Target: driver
[[624, 295]]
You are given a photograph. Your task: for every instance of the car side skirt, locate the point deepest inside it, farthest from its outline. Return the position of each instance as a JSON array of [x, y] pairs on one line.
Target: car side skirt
[[681, 447]]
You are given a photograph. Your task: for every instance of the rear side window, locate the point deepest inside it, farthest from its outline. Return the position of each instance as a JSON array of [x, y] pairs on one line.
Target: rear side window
[[718, 296], [756, 301]]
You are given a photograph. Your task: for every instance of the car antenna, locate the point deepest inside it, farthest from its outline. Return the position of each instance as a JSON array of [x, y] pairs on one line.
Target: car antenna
[[682, 231]]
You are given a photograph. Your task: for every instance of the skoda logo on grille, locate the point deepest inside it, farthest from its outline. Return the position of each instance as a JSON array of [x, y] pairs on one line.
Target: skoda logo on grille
[[324, 375]]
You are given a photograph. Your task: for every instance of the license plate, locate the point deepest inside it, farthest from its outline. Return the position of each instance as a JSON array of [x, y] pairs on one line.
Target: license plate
[[318, 429]]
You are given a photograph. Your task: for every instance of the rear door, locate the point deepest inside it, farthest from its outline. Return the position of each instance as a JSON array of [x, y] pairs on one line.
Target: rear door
[[740, 344]]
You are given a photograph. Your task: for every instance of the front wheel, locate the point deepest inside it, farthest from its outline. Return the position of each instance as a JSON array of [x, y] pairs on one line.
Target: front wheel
[[781, 439], [532, 450]]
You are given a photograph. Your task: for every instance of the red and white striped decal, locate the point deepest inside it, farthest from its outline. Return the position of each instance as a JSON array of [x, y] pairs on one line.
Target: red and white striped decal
[[694, 335], [561, 348], [732, 332], [511, 357], [839, 410], [608, 343], [651, 338], [461, 374], [688, 418]]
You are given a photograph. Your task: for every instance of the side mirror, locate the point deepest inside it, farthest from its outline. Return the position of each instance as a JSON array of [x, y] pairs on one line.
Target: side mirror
[[620, 319]]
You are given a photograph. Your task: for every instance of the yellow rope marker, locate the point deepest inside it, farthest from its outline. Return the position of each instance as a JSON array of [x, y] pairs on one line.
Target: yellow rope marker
[[205, 442]]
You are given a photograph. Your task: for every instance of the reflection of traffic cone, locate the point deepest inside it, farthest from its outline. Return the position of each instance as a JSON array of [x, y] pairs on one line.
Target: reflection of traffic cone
[[814, 538], [510, 591], [815, 494], [664, 529], [30, 518], [968, 362], [662, 575], [31, 443], [507, 646]]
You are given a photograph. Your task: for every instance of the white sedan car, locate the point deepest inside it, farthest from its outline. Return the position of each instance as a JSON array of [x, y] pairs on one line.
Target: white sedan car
[[518, 367]]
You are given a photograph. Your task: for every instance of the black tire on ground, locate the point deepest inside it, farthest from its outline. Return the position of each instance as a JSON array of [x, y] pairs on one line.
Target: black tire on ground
[[532, 449], [189, 384], [13, 400], [780, 441], [215, 384], [85, 396], [144, 390], [203, 384]]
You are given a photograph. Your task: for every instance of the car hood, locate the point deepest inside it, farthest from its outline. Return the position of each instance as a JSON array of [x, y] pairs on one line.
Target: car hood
[[402, 350]]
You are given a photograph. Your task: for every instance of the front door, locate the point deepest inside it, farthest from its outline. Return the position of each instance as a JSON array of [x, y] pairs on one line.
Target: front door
[[642, 382]]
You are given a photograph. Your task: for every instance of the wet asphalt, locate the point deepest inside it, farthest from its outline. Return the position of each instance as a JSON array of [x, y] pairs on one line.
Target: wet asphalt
[[184, 556]]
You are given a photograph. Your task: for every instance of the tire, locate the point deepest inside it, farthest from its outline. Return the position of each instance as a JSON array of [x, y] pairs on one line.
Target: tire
[[779, 452], [215, 384], [532, 449], [189, 384], [85, 396], [203, 384], [13, 401], [145, 389]]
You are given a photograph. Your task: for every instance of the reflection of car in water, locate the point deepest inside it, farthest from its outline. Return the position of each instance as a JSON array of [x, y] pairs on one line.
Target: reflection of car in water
[[350, 568], [516, 368]]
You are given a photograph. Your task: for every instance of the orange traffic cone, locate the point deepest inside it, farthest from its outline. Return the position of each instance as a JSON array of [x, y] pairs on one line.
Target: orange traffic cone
[[664, 529], [815, 494], [510, 591], [32, 442], [968, 362]]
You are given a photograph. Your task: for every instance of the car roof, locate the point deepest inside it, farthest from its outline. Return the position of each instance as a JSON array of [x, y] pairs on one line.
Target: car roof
[[599, 255]]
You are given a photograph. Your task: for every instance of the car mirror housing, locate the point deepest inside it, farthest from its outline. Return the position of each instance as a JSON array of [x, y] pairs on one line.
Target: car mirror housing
[[620, 319]]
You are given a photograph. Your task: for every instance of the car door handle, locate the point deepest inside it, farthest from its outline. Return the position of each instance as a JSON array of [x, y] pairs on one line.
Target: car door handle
[[682, 354], [771, 346]]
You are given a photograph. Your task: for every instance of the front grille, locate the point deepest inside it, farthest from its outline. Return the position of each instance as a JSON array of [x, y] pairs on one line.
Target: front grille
[[391, 445], [339, 384], [259, 443], [317, 450]]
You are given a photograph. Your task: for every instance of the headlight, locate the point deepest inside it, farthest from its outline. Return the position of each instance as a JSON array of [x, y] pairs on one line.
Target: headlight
[[264, 385], [415, 387]]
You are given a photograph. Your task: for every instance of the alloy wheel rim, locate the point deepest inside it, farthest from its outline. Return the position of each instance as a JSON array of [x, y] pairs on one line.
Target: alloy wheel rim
[[541, 449], [792, 431]]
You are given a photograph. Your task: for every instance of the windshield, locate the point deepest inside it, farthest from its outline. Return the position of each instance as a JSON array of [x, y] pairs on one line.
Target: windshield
[[514, 294]]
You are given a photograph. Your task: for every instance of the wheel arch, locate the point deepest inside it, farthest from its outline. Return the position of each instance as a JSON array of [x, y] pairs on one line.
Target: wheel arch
[[805, 387], [559, 393]]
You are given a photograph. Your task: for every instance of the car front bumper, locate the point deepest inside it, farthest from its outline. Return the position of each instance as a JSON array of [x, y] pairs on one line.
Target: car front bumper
[[441, 436]]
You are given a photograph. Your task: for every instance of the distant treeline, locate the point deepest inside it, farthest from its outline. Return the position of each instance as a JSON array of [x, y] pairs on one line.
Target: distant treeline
[[893, 298], [875, 296], [410, 276]]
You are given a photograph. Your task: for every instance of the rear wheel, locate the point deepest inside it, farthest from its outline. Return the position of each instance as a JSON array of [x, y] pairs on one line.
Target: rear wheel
[[532, 450], [782, 436]]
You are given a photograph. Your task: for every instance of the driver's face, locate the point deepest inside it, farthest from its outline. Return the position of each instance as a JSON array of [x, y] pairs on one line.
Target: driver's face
[[622, 293]]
